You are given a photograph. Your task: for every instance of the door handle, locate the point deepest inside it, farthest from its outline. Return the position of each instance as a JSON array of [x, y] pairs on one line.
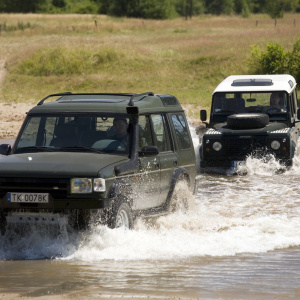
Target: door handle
[[157, 166], [175, 162]]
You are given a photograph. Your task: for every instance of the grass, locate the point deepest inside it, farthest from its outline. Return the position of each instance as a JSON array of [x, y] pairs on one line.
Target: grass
[[87, 53]]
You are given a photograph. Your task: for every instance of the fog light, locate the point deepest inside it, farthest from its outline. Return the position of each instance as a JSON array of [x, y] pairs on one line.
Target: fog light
[[275, 145], [217, 146]]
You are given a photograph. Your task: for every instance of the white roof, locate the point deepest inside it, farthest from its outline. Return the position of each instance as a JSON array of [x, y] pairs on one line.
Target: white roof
[[246, 83]]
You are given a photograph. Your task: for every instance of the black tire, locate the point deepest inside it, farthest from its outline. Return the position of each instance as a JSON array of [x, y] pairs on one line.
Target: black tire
[[247, 121], [3, 224], [121, 216]]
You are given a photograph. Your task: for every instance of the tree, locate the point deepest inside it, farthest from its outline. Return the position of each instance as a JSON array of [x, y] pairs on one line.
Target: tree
[[276, 8], [59, 3], [219, 7], [242, 7], [275, 60], [189, 8], [157, 9], [21, 6]]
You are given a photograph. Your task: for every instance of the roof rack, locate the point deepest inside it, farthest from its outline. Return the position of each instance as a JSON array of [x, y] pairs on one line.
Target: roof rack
[[130, 103]]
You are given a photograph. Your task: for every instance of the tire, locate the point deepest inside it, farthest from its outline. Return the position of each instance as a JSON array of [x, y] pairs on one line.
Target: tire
[[247, 121], [2, 224], [179, 201], [121, 216]]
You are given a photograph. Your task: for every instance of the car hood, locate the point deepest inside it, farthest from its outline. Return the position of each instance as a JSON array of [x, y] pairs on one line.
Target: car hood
[[58, 164], [272, 126]]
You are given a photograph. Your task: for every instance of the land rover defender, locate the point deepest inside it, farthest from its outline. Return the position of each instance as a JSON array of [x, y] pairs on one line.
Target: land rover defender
[[254, 115]]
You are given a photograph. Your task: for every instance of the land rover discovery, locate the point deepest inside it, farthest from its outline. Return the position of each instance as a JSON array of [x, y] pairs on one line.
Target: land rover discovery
[[101, 157]]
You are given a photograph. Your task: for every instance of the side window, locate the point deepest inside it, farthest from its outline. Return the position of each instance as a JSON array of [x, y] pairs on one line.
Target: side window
[[295, 100], [292, 103], [145, 135], [30, 133], [296, 97], [181, 131], [161, 134]]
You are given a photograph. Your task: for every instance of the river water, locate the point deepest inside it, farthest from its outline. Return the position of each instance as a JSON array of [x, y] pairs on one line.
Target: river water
[[239, 240]]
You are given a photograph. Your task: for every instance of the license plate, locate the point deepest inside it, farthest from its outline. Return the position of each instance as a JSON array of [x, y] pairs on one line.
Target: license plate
[[235, 164], [28, 197]]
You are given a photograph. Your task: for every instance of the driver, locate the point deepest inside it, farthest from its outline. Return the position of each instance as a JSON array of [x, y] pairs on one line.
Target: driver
[[120, 126], [274, 103]]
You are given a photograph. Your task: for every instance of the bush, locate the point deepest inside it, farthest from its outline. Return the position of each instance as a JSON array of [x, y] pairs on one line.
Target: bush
[[60, 61], [147, 9], [275, 60]]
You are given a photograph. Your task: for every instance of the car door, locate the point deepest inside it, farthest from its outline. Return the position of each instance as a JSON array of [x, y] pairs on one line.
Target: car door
[[148, 188], [167, 156]]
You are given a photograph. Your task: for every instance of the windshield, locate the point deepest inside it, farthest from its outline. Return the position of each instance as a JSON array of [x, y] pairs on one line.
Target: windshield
[[97, 133], [274, 104]]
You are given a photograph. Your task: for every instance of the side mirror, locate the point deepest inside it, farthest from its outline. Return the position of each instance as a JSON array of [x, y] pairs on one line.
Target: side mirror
[[203, 115], [5, 149], [149, 151], [298, 113]]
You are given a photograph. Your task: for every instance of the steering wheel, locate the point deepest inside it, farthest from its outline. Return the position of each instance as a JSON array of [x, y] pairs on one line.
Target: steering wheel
[[273, 109]]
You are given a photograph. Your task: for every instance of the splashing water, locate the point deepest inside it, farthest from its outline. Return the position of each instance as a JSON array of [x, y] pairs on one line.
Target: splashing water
[[228, 215]]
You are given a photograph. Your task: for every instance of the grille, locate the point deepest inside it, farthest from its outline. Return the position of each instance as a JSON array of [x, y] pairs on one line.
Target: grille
[[58, 188], [245, 146]]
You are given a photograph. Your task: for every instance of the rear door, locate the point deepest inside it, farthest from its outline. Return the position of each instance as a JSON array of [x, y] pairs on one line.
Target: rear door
[[167, 156], [148, 177]]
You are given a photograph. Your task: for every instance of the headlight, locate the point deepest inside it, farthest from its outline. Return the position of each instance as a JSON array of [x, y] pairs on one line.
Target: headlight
[[275, 145], [217, 146], [81, 185], [99, 185]]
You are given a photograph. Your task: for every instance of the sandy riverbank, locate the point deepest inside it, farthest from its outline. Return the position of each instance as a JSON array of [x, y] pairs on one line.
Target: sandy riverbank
[[11, 118]]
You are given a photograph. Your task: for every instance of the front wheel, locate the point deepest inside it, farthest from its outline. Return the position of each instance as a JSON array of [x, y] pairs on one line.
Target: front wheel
[[2, 224], [121, 216], [180, 197]]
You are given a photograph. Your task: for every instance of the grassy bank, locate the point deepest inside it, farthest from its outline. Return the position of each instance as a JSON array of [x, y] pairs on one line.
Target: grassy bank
[[45, 54]]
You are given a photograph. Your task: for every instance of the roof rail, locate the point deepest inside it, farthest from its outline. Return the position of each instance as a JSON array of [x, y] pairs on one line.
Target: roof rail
[[130, 103], [53, 95]]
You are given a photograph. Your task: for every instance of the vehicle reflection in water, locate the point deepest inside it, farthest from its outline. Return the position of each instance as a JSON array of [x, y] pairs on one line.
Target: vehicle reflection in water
[[239, 240]]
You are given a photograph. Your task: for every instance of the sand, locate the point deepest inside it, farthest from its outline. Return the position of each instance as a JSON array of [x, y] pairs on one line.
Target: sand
[[11, 118]]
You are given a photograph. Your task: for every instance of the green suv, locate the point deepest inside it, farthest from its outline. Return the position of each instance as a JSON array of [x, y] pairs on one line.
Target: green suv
[[104, 158], [251, 115]]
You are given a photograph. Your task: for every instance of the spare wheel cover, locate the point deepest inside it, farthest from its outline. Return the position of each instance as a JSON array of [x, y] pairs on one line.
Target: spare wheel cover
[[247, 121]]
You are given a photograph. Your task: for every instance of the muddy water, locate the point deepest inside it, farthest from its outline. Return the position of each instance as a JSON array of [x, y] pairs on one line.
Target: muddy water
[[239, 240]]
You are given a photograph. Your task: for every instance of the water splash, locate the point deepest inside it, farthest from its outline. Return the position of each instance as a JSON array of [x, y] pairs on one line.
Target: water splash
[[266, 166], [229, 215], [32, 242]]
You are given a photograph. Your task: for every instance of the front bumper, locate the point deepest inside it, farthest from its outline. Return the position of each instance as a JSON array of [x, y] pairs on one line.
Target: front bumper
[[238, 148], [59, 195]]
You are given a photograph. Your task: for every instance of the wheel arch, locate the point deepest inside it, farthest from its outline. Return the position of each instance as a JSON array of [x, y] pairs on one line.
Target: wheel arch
[[179, 174], [122, 187]]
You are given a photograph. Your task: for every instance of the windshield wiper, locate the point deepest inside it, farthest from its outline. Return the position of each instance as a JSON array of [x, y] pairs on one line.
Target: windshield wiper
[[80, 148], [38, 148]]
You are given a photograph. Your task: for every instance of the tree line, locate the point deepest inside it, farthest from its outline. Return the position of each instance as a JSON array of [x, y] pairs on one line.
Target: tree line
[[153, 9]]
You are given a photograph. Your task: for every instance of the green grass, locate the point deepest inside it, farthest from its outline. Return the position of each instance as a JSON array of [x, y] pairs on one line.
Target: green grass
[[58, 53]]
